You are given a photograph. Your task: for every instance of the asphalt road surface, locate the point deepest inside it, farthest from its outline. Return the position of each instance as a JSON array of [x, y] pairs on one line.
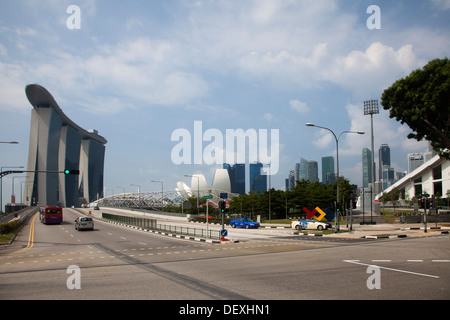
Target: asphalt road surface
[[116, 262]]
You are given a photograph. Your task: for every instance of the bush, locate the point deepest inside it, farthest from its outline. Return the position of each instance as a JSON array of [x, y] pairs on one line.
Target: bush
[[9, 227]]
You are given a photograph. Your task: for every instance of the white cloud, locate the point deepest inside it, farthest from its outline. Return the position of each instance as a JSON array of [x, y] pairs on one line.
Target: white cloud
[[441, 4], [12, 88], [324, 138], [268, 116], [139, 69], [375, 68], [298, 106]]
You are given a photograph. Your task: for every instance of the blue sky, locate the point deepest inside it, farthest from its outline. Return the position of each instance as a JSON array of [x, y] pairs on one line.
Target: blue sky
[[138, 70]]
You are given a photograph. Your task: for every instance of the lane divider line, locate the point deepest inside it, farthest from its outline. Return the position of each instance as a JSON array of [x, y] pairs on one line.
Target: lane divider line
[[30, 236]]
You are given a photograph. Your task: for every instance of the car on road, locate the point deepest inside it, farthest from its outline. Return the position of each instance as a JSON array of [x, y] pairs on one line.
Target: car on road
[[84, 223], [302, 224], [244, 223]]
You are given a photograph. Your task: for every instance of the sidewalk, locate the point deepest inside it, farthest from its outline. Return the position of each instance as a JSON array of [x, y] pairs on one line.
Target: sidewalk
[[397, 230]]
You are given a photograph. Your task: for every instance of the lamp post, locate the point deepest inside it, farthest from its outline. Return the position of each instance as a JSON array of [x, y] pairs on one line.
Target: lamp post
[[162, 192], [198, 191], [1, 184], [1, 181], [139, 193], [371, 108], [270, 197], [337, 164]]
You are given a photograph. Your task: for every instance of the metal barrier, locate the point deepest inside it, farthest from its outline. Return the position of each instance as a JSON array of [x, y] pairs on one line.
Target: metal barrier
[[150, 224], [132, 221]]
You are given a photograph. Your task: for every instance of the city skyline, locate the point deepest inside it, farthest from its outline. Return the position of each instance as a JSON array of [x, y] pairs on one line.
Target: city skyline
[[139, 71]]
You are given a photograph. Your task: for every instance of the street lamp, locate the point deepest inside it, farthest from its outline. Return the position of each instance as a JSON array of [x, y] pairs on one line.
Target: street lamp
[[371, 108], [337, 162], [1, 182], [162, 192], [270, 209], [198, 191], [139, 193]]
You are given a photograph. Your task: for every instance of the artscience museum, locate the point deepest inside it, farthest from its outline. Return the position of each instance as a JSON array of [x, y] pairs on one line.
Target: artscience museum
[[200, 188]]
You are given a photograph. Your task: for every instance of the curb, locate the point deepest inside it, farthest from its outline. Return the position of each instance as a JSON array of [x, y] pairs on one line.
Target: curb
[[398, 236], [272, 227], [308, 234], [174, 235], [385, 237]]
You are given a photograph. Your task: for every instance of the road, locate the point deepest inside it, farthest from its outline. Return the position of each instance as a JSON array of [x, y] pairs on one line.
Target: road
[[116, 262]]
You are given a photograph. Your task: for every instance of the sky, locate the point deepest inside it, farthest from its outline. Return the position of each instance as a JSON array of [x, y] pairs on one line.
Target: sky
[[138, 71]]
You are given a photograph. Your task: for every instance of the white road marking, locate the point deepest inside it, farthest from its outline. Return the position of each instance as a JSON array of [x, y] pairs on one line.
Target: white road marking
[[398, 270]]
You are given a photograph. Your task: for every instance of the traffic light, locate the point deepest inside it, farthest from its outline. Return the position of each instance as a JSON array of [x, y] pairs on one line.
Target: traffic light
[[433, 202], [222, 206], [422, 203], [67, 171]]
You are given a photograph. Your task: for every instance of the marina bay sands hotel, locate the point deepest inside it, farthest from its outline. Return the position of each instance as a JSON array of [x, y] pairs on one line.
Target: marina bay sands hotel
[[57, 143]]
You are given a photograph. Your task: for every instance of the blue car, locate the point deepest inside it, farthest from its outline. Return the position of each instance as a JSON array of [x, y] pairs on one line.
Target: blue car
[[244, 223]]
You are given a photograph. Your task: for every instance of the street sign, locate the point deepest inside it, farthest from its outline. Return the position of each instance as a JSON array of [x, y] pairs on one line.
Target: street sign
[[207, 197], [223, 232], [224, 195]]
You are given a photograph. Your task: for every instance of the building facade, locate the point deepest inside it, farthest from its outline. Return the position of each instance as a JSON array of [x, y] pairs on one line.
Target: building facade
[[328, 175], [384, 159], [237, 177], [258, 181], [367, 169], [57, 143], [432, 177]]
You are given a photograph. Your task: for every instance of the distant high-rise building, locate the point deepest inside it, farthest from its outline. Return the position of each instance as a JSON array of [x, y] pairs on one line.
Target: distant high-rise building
[[387, 176], [258, 181], [303, 175], [312, 171], [237, 177], [367, 169], [328, 175], [384, 159], [300, 170], [415, 160], [291, 179]]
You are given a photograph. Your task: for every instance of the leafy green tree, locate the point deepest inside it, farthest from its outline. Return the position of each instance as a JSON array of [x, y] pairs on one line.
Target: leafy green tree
[[422, 101]]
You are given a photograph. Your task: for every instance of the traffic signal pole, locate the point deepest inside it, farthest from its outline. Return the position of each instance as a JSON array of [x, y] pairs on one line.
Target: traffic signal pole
[[5, 173]]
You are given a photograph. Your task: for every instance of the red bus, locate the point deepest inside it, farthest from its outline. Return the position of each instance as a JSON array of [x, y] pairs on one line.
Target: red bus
[[51, 215]]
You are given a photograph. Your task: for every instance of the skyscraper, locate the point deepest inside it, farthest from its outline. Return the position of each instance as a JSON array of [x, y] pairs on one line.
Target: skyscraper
[[258, 181], [367, 169], [328, 175], [415, 160], [237, 177], [384, 159], [312, 171], [56, 144]]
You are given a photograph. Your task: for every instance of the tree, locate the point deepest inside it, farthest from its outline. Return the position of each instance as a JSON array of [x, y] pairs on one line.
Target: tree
[[422, 101]]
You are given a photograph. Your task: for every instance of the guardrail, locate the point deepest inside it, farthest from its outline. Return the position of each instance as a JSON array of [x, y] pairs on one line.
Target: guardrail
[[151, 224]]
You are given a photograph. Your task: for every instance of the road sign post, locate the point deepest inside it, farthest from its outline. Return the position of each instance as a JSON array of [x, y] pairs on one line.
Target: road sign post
[[223, 234]]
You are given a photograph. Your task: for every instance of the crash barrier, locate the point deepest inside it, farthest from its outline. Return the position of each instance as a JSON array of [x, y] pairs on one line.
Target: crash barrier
[[151, 224], [131, 221]]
